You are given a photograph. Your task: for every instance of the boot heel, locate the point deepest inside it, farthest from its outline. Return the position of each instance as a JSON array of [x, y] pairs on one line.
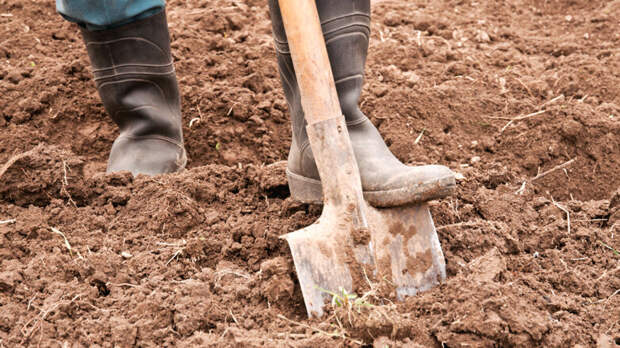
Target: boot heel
[[305, 190]]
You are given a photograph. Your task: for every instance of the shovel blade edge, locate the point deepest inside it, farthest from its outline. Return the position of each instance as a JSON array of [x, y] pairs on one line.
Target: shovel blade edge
[[403, 251], [407, 248], [321, 264]]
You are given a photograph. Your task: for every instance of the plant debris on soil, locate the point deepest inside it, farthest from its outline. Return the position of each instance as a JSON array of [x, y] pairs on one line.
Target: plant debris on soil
[[520, 97]]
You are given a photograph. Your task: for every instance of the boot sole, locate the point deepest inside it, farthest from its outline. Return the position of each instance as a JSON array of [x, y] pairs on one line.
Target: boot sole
[[308, 190]]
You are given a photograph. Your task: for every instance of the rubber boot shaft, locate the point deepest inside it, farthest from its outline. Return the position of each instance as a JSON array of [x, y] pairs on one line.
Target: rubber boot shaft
[[135, 77], [385, 180]]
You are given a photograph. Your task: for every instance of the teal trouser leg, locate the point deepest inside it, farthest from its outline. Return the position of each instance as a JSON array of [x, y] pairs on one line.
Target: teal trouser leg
[[107, 14]]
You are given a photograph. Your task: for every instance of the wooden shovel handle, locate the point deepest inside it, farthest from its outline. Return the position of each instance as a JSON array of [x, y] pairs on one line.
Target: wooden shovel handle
[[319, 97], [327, 131]]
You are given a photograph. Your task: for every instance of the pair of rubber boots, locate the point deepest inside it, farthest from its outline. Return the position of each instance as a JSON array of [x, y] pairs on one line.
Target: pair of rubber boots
[[135, 78]]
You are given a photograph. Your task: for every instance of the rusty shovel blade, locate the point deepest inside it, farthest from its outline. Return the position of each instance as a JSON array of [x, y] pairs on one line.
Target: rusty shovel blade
[[403, 250], [406, 248]]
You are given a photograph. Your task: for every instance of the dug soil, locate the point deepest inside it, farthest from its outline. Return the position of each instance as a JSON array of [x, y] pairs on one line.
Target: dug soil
[[520, 97]]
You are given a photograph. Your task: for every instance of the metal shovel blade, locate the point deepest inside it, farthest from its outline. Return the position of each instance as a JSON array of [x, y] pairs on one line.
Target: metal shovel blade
[[403, 250], [325, 255], [407, 249]]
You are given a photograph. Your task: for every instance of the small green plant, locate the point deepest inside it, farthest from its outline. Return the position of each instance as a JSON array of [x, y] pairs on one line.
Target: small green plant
[[610, 248], [349, 301]]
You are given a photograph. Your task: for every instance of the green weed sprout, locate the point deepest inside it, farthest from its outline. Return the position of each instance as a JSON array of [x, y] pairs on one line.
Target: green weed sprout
[[344, 299]]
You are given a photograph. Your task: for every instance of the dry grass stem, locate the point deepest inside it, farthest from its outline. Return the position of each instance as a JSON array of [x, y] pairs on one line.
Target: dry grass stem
[[66, 242], [563, 166], [64, 173], [291, 335], [417, 140], [561, 96], [608, 298], [521, 189], [182, 242], [65, 183], [191, 122], [220, 274], [126, 284], [524, 86], [196, 119], [44, 314], [564, 210], [558, 167], [521, 118], [233, 316], [322, 332], [9, 221], [30, 302], [231, 109], [590, 220], [512, 120], [16, 158], [174, 256], [607, 272], [465, 224]]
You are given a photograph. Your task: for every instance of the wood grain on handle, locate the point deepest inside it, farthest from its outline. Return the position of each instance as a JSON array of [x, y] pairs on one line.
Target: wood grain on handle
[[319, 97]]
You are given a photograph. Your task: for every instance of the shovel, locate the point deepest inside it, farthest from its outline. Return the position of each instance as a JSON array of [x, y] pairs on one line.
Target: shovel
[[351, 242]]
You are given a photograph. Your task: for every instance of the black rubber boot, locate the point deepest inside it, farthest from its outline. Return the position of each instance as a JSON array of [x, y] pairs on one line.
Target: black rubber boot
[[135, 78], [386, 181]]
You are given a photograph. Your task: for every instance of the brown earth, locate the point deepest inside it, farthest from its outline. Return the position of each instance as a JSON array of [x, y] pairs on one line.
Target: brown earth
[[190, 259]]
